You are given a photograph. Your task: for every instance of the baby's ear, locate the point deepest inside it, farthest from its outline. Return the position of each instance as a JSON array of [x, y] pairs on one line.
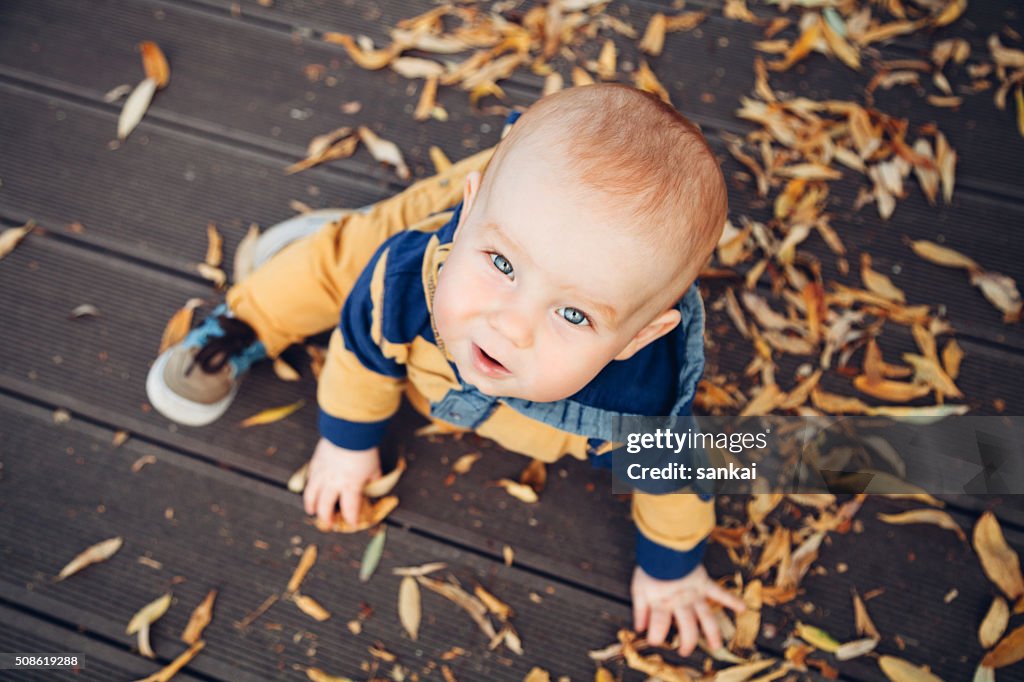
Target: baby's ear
[[470, 192], [655, 329]]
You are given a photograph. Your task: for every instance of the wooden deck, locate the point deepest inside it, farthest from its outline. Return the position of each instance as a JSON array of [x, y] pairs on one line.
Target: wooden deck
[[122, 229]]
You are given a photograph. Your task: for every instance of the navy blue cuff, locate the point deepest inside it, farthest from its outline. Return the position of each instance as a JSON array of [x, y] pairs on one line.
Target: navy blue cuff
[[351, 435], [665, 563]]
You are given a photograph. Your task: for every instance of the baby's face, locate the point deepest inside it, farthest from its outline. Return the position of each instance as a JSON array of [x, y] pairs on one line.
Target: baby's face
[[542, 289]]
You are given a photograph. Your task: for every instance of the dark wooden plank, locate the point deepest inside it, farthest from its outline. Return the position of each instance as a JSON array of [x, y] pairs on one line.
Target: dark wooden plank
[[25, 633], [579, 535], [706, 71], [196, 173], [68, 487], [162, 194]]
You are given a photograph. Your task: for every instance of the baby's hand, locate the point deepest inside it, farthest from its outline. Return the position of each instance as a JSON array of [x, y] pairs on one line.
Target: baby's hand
[[685, 600], [337, 474]]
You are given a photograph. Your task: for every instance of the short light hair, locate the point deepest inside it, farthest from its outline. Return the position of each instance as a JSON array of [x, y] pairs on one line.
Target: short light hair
[[629, 145]]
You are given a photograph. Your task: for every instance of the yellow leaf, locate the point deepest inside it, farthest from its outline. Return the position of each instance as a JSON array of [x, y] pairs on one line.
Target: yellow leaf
[[409, 606], [439, 159], [654, 37], [950, 13], [1020, 110], [862, 620], [165, 674], [155, 63], [215, 275], [384, 151], [11, 236], [816, 637], [537, 675], [273, 414], [318, 675], [101, 551], [370, 59], [1009, 651], [428, 99], [370, 514], [305, 563], [606, 61], [847, 53], [284, 371], [885, 389], [898, 670], [645, 80], [311, 607], [801, 48], [523, 493], [581, 77], [297, 481], [200, 618], [994, 624], [878, 283], [1001, 291], [941, 255], [464, 463], [535, 475], [214, 246], [383, 485], [414, 67], [499, 608], [148, 614], [1000, 563], [931, 516]]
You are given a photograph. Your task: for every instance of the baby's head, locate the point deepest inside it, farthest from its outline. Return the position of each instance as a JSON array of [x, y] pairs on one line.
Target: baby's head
[[592, 219]]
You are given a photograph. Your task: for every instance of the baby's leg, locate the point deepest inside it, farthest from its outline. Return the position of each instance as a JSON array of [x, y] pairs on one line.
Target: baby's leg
[[299, 292]]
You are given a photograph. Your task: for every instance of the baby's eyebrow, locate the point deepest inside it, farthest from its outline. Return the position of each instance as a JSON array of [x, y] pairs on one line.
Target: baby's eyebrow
[[503, 235]]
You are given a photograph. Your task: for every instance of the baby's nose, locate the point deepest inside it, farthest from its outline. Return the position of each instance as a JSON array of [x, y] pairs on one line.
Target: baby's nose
[[514, 325]]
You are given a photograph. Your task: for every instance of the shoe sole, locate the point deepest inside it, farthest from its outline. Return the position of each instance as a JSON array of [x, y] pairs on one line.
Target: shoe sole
[[179, 409]]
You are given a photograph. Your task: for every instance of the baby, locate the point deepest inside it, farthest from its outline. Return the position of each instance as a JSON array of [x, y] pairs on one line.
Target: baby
[[556, 296]]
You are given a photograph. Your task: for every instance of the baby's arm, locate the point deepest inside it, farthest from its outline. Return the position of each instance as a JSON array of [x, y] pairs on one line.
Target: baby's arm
[[359, 389]]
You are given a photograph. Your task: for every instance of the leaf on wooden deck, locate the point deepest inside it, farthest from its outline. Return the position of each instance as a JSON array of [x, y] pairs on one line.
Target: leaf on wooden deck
[[272, 414], [101, 551], [135, 107]]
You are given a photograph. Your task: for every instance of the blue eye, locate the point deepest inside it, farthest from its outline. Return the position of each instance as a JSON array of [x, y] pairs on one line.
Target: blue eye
[[574, 316], [502, 264]]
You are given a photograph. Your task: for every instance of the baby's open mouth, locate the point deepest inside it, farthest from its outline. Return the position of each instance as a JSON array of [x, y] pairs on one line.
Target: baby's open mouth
[[488, 364]]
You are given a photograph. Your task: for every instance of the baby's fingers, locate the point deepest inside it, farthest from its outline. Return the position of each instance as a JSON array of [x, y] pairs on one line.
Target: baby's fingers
[[687, 625], [325, 506], [726, 598], [351, 501], [309, 496], [708, 625]]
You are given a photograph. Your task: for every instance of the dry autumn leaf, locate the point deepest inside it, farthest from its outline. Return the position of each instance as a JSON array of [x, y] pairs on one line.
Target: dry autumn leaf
[[214, 246], [371, 555], [1000, 563], [383, 485], [523, 493], [994, 624], [145, 617], [273, 414], [155, 63], [135, 107], [311, 607], [166, 673], [384, 151], [101, 551], [409, 606], [369, 516], [934, 517], [301, 569], [1010, 650], [12, 235], [200, 618]]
